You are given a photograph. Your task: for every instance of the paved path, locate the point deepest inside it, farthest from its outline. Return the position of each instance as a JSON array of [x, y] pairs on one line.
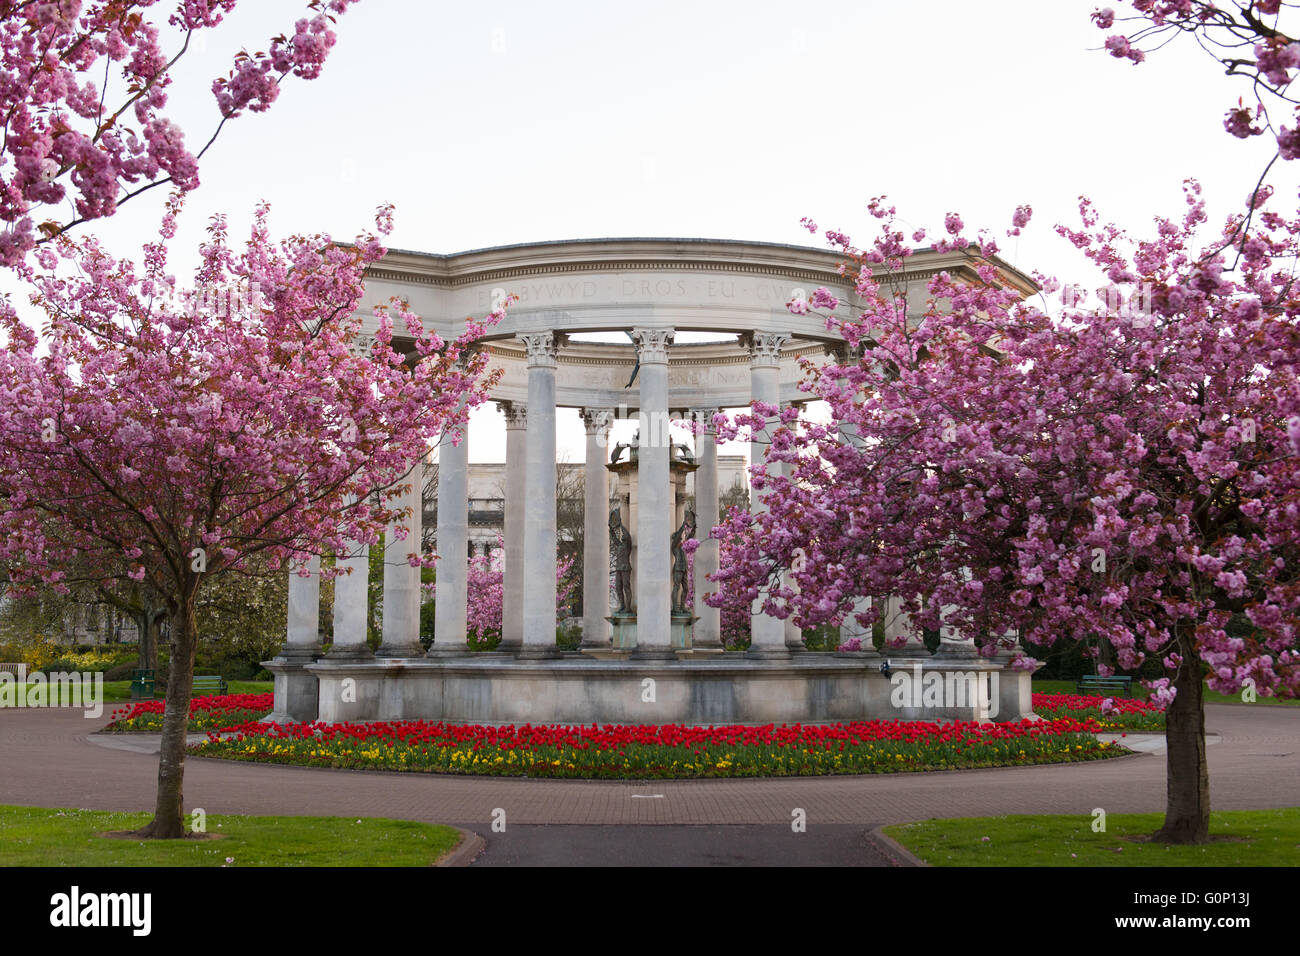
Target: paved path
[[48, 759]]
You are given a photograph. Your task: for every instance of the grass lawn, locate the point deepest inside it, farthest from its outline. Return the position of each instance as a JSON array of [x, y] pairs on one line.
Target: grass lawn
[[36, 836], [1140, 693], [118, 691], [1256, 838]]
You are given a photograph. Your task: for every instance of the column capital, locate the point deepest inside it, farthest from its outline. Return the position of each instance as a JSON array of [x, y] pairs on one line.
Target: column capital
[[765, 348], [652, 345], [467, 355], [841, 353], [597, 420], [516, 414], [542, 347], [705, 417], [362, 344]]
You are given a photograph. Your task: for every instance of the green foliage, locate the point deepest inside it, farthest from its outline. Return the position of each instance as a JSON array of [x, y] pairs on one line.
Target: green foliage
[[568, 637], [824, 637], [49, 656]]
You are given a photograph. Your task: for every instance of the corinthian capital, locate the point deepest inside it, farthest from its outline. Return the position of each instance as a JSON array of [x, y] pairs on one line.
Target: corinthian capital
[[597, 420], [652, 345], [362, 345], [705, 418], [765, 348], [542, 348], [516, 414]]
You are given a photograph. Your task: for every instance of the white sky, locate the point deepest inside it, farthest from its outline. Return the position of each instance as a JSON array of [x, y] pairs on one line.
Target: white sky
[[498, 122]]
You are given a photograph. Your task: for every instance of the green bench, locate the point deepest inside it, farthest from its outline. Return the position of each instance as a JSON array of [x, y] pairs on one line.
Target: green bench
[[142, 685], [208, 683], [1108, 686]]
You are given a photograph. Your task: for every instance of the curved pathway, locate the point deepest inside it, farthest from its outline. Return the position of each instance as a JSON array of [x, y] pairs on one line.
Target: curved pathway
[[49, 758]]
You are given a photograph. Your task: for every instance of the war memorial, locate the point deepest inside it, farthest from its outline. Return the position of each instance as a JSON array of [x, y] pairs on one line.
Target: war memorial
[[646, 656]]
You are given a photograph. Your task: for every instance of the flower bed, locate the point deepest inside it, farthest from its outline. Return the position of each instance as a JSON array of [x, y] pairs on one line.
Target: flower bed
[[206, 713], [641, 752], [1112, 713]]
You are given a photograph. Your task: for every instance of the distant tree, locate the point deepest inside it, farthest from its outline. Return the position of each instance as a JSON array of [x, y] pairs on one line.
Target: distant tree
[[78, 131]]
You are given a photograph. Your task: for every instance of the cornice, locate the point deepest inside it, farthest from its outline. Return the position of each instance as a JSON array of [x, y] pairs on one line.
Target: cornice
[[801, 263]]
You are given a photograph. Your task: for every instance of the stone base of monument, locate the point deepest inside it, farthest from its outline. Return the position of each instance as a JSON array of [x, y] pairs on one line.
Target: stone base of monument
[[622, 632], [679, 631], [295, 688], [708, 690]]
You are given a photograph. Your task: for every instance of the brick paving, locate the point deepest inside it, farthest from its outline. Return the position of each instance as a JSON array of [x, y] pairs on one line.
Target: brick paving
[[48, 759]]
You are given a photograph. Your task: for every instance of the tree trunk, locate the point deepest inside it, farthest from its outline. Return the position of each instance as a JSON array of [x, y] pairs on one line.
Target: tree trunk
[[1187, 809], [168, 820], [146, 626]]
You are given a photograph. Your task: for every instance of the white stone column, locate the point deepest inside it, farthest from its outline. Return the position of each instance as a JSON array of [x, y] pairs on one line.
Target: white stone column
[[767, 633], [350, 604], [899, 624], [655, 509], [451, 568], [952, 643], [401, 627], [595, 534], [793, 633], [539, 590], [512, 583], [296, 696], [303, 637], [850, 628], [708, 629]]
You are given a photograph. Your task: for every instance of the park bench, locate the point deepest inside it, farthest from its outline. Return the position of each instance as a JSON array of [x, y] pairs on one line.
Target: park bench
[[1096, 684], [18, 670], [142, 684], [209, 684]]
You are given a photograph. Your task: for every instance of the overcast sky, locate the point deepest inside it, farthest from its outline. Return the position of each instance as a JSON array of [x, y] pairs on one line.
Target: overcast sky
[[489, 123]]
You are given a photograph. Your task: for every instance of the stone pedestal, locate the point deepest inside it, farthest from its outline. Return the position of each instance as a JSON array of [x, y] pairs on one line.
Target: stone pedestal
[[1016, 689], [711, 690], [296, 688], [954, 649], [623, 627], [680, 630]]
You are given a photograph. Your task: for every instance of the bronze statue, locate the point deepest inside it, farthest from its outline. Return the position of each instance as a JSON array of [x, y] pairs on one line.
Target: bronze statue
[[680, 564], [620, 546], [617, 453], [630, 447]]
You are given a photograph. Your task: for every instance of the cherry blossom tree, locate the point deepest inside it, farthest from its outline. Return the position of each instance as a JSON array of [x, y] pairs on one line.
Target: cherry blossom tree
[[486, 583], [1254, 40], [172, 438], [1125, 469], [83, 86]]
